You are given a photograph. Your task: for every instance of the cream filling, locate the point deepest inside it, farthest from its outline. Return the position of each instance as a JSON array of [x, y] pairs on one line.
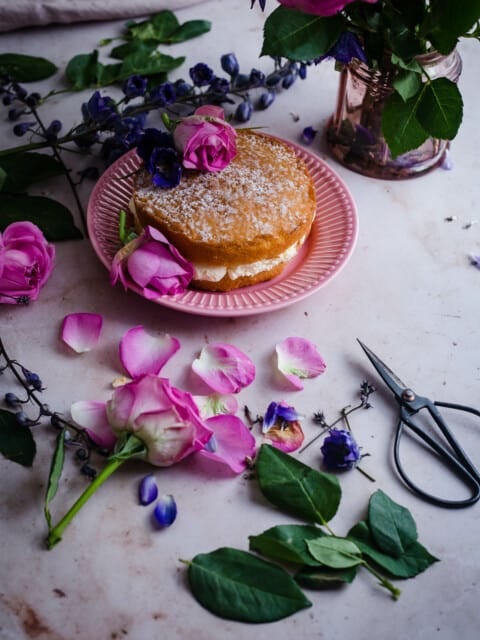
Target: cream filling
[[215, 274]]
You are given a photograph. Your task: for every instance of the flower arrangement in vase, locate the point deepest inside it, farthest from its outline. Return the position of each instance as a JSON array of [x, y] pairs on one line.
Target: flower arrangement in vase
[[398, 103]]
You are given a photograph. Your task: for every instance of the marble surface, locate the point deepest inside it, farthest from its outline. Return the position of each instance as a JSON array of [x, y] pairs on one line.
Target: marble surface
[[408, 292]]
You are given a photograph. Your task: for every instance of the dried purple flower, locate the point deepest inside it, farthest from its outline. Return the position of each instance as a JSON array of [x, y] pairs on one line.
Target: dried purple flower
[[308, 135]]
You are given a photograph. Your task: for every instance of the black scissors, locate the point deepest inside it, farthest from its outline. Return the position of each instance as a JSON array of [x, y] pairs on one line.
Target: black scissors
[[454, 456]]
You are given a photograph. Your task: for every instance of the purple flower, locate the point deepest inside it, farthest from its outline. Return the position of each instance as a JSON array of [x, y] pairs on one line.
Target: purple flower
[[340, 450], [244, 111], [157, 150], [135, 86], [345, 49], [281, 425], [260, 2], [278, 411], [102, 110], [165, 511], [163, 94], [309, 134], [201, 75]]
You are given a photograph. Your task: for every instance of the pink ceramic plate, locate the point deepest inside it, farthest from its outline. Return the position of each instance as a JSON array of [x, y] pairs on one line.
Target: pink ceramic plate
[[324, 253]]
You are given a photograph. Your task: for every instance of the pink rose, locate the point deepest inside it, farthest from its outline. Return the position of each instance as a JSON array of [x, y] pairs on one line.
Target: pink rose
[[206, 140], [165, 418], [152, 263], [26, 262], [320, 7]]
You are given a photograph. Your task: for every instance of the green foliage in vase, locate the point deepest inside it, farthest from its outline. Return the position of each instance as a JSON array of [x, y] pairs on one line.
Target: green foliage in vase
[[388, 36]]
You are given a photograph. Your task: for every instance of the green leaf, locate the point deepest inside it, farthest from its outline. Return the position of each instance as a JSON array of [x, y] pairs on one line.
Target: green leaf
[[400, 126], [132, 47], [295, 487], [159, 27], [287, 543], [336, 553], [22, 68], [154, 64], [24, 169], [454, 18], [82, 70], [413, 561], [16, 441], [392, 526], [56, 469], [188, 30], [299, 36], [52, 217], [408, 84], [324, 577], [440, 109], [237, 585], [108, 74]]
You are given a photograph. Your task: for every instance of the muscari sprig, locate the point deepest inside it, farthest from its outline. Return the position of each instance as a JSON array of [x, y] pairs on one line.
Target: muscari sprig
[[16, 440]]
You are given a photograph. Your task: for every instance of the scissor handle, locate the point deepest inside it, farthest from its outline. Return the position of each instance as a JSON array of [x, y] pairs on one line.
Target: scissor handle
[[460, 463]]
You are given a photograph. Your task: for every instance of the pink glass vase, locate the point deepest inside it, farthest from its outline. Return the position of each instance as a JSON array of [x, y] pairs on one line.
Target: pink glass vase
[[354, 133]]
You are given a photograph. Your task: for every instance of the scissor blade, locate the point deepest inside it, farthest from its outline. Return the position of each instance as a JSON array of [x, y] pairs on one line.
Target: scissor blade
[[388, 376]]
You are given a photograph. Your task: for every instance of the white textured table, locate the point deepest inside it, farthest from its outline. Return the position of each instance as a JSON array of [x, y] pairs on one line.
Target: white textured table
[[408, 292]]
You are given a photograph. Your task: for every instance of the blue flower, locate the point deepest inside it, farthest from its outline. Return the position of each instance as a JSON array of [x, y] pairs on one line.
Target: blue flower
[[257, 78], [340, 450], [157, 150], [102, 110], [135, 86], [266, 99], [164, 94], [165, 511], [201, 75], [147, 490], [308, 135], [278, 411], [345, 49]]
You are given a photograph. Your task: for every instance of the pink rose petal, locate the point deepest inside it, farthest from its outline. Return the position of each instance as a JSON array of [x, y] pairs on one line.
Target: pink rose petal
[[298, 358], [216, 404], [287, 438], [81, 331], [224, 368], [142, 353], [92, 416], [231, 443]]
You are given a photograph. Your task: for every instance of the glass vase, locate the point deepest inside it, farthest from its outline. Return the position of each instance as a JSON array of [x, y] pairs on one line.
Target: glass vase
[[354, 133]]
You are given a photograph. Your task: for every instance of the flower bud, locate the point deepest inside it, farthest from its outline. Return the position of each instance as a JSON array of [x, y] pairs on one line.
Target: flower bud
[[230, 64], [244, 111]]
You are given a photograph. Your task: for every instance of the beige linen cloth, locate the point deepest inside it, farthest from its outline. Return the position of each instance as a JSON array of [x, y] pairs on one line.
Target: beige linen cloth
[[15, 14]]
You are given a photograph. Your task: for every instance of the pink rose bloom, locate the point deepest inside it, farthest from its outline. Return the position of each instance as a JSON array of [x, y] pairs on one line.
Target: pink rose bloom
[[165, 418], [26, 262], [206, 140], [320, 7], [152, 263]]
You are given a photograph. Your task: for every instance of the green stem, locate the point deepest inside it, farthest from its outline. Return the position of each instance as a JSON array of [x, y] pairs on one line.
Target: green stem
[[55, 533], [383, 581]]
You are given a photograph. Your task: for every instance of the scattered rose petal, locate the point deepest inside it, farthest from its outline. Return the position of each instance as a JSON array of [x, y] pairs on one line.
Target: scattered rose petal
[[147, 490], [298, 358], [81, 331], [231, 443], [216, 404], [92, 416], [224, 368], [165, 511], [142, 353]]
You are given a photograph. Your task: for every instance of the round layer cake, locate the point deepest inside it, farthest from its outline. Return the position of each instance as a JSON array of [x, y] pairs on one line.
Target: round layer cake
[[238, 226]]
